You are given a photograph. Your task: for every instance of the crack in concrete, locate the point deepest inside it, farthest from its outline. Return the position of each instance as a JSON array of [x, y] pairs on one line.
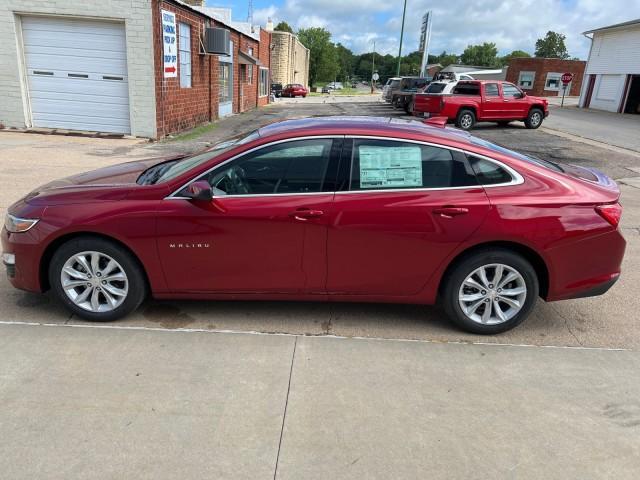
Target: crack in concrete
[[286, 404], [566, 324]]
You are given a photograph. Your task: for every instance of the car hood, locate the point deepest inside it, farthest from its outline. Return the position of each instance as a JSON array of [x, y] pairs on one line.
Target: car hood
[[108, 183]]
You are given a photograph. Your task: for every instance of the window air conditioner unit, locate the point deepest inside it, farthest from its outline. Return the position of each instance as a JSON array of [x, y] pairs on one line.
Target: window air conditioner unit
[[217, 40]]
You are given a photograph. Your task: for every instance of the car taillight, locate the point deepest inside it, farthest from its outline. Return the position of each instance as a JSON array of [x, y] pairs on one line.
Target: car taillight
[[610, 212]]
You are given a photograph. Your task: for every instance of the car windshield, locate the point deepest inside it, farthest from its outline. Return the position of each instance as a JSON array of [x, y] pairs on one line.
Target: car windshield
[[169, 170], [520, 156]]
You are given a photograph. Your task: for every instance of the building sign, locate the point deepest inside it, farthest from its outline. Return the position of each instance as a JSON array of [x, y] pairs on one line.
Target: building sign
[[170, 44], [425, 38]]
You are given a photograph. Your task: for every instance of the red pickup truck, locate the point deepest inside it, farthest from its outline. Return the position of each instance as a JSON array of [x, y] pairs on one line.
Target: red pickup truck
[[474, 101]]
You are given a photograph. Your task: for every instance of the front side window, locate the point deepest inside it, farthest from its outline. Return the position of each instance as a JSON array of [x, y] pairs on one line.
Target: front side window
[[510, 91], [525, 80], [384, 164], [553, 81], [292, 167], [184, 44], [491, 89]]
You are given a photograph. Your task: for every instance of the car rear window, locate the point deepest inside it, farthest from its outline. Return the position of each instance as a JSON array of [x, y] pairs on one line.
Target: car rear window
[[467, 89], [488, 173], [435, 88]]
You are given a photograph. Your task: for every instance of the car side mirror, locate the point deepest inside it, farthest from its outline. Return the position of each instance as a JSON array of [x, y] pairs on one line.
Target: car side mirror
[[522, 94], [199, 190]]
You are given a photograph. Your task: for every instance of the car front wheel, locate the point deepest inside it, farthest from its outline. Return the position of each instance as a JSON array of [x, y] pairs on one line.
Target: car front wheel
[[490, 291], [96, 279]]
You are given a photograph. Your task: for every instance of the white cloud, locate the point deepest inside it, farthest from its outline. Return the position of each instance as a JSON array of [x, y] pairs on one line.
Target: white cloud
[[510, 24]]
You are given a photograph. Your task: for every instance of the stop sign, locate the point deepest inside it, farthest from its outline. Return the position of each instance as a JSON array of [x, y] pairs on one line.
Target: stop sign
[[566, 78]]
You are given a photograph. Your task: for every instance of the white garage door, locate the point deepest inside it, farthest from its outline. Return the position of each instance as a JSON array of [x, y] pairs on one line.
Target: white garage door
[[77, 74]]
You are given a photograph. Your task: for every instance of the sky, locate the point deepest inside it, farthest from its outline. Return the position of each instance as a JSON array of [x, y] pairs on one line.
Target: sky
[[510, 24]]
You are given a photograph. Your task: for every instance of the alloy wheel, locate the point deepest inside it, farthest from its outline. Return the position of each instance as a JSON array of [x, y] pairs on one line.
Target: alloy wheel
[[94, 281], [492, 294], [466, 121], [535, 118]]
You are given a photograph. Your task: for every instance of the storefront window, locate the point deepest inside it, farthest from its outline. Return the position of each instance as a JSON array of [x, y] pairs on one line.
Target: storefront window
[[525, 80]]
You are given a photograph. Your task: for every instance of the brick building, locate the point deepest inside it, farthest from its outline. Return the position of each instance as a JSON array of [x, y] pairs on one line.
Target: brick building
[[541, 76], [289, 59], [99, 66]]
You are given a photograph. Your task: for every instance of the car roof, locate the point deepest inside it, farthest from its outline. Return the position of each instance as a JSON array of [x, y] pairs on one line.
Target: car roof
[[383, 126]]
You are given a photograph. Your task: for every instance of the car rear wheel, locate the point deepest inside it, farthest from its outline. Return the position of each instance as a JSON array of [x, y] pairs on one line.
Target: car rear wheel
[[466, 119], [490, 291], [534, 119], [97, 279]]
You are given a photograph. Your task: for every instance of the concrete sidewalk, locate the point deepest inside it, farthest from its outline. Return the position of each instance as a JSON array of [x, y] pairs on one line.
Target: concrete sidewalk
[[610, 128], [110, 402]]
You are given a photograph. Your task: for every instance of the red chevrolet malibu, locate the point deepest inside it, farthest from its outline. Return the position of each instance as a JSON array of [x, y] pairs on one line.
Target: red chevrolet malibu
[[334, 209]]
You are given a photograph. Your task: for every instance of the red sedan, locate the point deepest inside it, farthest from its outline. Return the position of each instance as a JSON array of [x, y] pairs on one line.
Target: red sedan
[[295, 90], [332, 209]]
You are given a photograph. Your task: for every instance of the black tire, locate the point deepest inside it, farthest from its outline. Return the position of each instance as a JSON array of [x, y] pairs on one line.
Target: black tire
[[465, 266], [137, 285], [534, 119], [466, 119]]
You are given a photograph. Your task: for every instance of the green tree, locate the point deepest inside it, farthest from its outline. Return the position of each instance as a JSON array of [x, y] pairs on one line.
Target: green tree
[[283, 27], [445, 59], [346, 61], [323, 64], [485, 55], [515, 54], [552, 46]]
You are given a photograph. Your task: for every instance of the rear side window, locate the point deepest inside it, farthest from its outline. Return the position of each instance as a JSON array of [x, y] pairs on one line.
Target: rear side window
[[491, 90], [467, 89], [384, 164], [489, 173], [435, 88]]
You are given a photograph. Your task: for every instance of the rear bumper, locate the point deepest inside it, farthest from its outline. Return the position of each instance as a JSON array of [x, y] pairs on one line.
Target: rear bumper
[[600, 289]]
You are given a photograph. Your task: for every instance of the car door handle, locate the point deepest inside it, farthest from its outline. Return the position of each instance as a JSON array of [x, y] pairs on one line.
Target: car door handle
[[306, 213], [450, 212]]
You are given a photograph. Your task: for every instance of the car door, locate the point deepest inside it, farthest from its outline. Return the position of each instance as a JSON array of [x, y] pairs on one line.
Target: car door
[[406, 207], [492, 104], [264, 231], [515, 105]]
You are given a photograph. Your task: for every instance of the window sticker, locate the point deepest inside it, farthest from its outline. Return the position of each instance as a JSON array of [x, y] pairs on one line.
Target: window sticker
[[388, 167]]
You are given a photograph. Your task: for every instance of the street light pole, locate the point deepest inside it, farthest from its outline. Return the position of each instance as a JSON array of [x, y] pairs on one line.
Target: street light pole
[[404, 11]]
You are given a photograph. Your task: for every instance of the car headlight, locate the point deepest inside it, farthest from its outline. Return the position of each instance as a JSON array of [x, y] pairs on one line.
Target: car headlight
[[15, 224]]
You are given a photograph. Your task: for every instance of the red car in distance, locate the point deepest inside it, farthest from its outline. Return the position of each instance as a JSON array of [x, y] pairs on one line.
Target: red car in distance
[[295, 90], [331, 209], [474, 101]]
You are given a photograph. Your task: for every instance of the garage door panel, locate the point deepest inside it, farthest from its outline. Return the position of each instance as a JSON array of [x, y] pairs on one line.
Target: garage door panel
[[42, 83], [58, 48], [69, 40], [82, 97], [44, 22], [85, 53], [75, 64], [85, 123]]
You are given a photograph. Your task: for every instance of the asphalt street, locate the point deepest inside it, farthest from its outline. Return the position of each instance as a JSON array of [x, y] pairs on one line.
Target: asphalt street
[[308, 390]]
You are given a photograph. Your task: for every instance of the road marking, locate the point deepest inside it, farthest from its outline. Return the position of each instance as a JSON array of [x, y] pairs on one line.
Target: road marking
[[278, 334]]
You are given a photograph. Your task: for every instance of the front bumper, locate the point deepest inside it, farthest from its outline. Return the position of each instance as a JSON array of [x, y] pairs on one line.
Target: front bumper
[[21, 253]]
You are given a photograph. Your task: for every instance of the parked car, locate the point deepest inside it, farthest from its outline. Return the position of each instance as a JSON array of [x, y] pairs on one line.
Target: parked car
[[326, 89], [335, 86], [474, 101], [402, 95], [441, 87], [389, 86], [328, 209], [276, 89], [295, 90]]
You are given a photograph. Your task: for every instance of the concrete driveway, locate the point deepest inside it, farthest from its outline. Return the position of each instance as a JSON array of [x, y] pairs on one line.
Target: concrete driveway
[[304, 390]]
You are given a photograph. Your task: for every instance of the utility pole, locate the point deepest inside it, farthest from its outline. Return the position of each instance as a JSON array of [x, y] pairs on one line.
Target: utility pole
[[404, 12], [373, 64]]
